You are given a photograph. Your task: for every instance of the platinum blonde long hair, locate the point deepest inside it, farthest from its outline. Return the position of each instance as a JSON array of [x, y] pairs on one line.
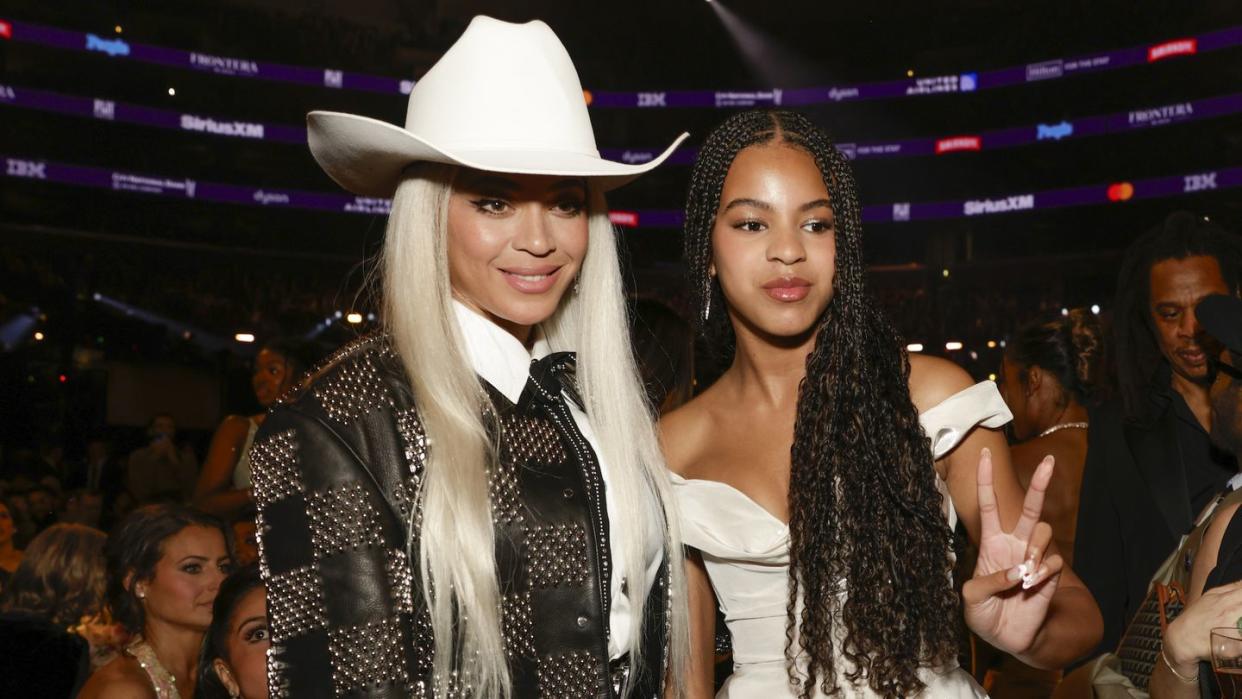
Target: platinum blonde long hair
[[457, 541]]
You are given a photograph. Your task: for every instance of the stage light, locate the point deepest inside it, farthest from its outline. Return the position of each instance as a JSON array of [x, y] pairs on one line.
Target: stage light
[[974, 356], [945, 273], [914, 347], [371, 317], [991, 377], [354, 318], [244, 337], [172, 92], [1095, 308], [38, 337], [63, 378], [991, 344], [952, 346], [117, 29], [338, 314], [910, 73], [1064, 311]]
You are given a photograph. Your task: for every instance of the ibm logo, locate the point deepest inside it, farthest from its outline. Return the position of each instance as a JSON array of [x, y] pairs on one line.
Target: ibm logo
[[29, 169], [333, 78], [652, 99], [1199, 183]]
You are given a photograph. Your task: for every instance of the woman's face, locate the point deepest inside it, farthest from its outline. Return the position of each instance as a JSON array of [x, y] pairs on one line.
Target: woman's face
[[272, 376], [180, 593], [774, 244], [248, 639], [1014, 391], [515, 244]]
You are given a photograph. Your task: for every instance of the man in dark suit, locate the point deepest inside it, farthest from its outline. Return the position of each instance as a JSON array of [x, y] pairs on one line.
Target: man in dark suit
[[1150, 466], [99, 472]]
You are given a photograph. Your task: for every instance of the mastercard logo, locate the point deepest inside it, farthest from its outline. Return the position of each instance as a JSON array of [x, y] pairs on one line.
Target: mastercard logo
[[1120, 191], [588, 97]]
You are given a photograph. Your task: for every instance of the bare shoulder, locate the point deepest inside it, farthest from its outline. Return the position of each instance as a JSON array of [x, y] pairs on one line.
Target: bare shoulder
[[685, 432], [933, 379], [122, 678], [1215, 533]]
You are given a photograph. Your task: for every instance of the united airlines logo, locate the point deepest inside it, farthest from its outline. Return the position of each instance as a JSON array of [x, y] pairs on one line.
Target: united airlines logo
[[368, 205], [112, 47], [30, 169], [1053, 132], [1019, 202]]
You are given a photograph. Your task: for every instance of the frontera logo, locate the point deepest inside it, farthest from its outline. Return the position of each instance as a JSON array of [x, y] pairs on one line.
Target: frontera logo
[[958, 143], [1053, 132], [112, 47], [1178, 47]]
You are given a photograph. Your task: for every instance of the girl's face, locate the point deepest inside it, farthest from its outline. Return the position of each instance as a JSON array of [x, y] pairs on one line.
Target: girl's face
[[180, 593], [245, 672], [272, 376], [774, 244], [515, 244]]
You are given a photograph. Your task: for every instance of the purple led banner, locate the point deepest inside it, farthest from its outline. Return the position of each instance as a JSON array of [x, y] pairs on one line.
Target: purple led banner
[[186, 188], [956, 83], [1153, 116]]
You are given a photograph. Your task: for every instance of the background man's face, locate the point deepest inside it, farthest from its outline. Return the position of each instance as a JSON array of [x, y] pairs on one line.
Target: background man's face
[[1176, 287]]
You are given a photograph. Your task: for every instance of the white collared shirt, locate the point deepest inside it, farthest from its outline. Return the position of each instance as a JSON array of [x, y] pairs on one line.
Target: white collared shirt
[[502, 361]]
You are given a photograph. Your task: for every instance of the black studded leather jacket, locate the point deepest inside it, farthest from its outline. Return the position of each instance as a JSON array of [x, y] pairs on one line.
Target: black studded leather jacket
[[336, 469]]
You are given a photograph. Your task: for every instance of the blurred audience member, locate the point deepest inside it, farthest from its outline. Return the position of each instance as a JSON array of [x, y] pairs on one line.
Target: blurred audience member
[[99, 471], [1150, 467], [19, 511], [42, 506], [664, 349], [83, 507], [10, 555], [234, 659], [245, 538], [1214, 592], [1051, 374], [223, 487], [59, 582], [162, 471], [165, 564]]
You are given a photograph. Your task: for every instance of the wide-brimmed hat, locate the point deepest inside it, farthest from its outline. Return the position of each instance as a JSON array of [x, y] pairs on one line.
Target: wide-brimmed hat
[[1221, 317], [504, 98]]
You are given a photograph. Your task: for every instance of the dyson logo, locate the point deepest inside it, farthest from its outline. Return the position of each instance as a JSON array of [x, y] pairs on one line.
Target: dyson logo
[[636, 157], [266, 198], [837, 94]]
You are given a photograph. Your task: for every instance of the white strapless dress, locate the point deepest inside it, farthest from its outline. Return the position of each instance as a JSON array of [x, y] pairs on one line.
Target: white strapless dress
[[746, 552]]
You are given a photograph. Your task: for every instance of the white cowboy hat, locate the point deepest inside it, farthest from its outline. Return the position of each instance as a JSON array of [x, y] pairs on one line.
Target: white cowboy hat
[[504, 98]]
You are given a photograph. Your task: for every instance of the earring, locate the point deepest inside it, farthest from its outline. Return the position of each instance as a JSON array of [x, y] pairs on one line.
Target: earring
[[141, 594], [576, 279], [707, 299]]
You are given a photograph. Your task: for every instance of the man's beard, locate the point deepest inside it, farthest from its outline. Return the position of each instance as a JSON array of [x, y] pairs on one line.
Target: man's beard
[[1227, 420]]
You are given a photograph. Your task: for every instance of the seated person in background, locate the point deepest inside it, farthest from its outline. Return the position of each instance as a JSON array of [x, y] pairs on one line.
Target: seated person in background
[[234, 659], [162, 471], [1051, 374], [10, 555], [1214, 594], [59, 582]]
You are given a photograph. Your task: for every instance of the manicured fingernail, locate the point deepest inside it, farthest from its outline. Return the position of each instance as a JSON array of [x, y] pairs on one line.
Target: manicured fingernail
[[1029, 582], [1017, 572], [986, 452], [1030, 564]]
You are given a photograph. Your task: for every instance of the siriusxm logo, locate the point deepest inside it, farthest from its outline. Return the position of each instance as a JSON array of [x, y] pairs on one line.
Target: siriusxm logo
[[112, 47], [1053, 132], [29, 169], [1046, 70], [1020, 202], [242, 129], [968, 82]]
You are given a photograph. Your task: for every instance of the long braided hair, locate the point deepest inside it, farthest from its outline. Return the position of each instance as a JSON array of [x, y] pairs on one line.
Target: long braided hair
[[865, 513]]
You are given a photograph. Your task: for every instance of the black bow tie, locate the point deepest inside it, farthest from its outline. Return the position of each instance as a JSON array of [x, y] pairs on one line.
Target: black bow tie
[[556, 374]]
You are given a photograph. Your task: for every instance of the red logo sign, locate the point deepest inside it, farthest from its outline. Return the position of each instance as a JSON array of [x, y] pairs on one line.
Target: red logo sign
[[1177, 47], [1120, 191], [629, 219], [958, 143], [6, 30]]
